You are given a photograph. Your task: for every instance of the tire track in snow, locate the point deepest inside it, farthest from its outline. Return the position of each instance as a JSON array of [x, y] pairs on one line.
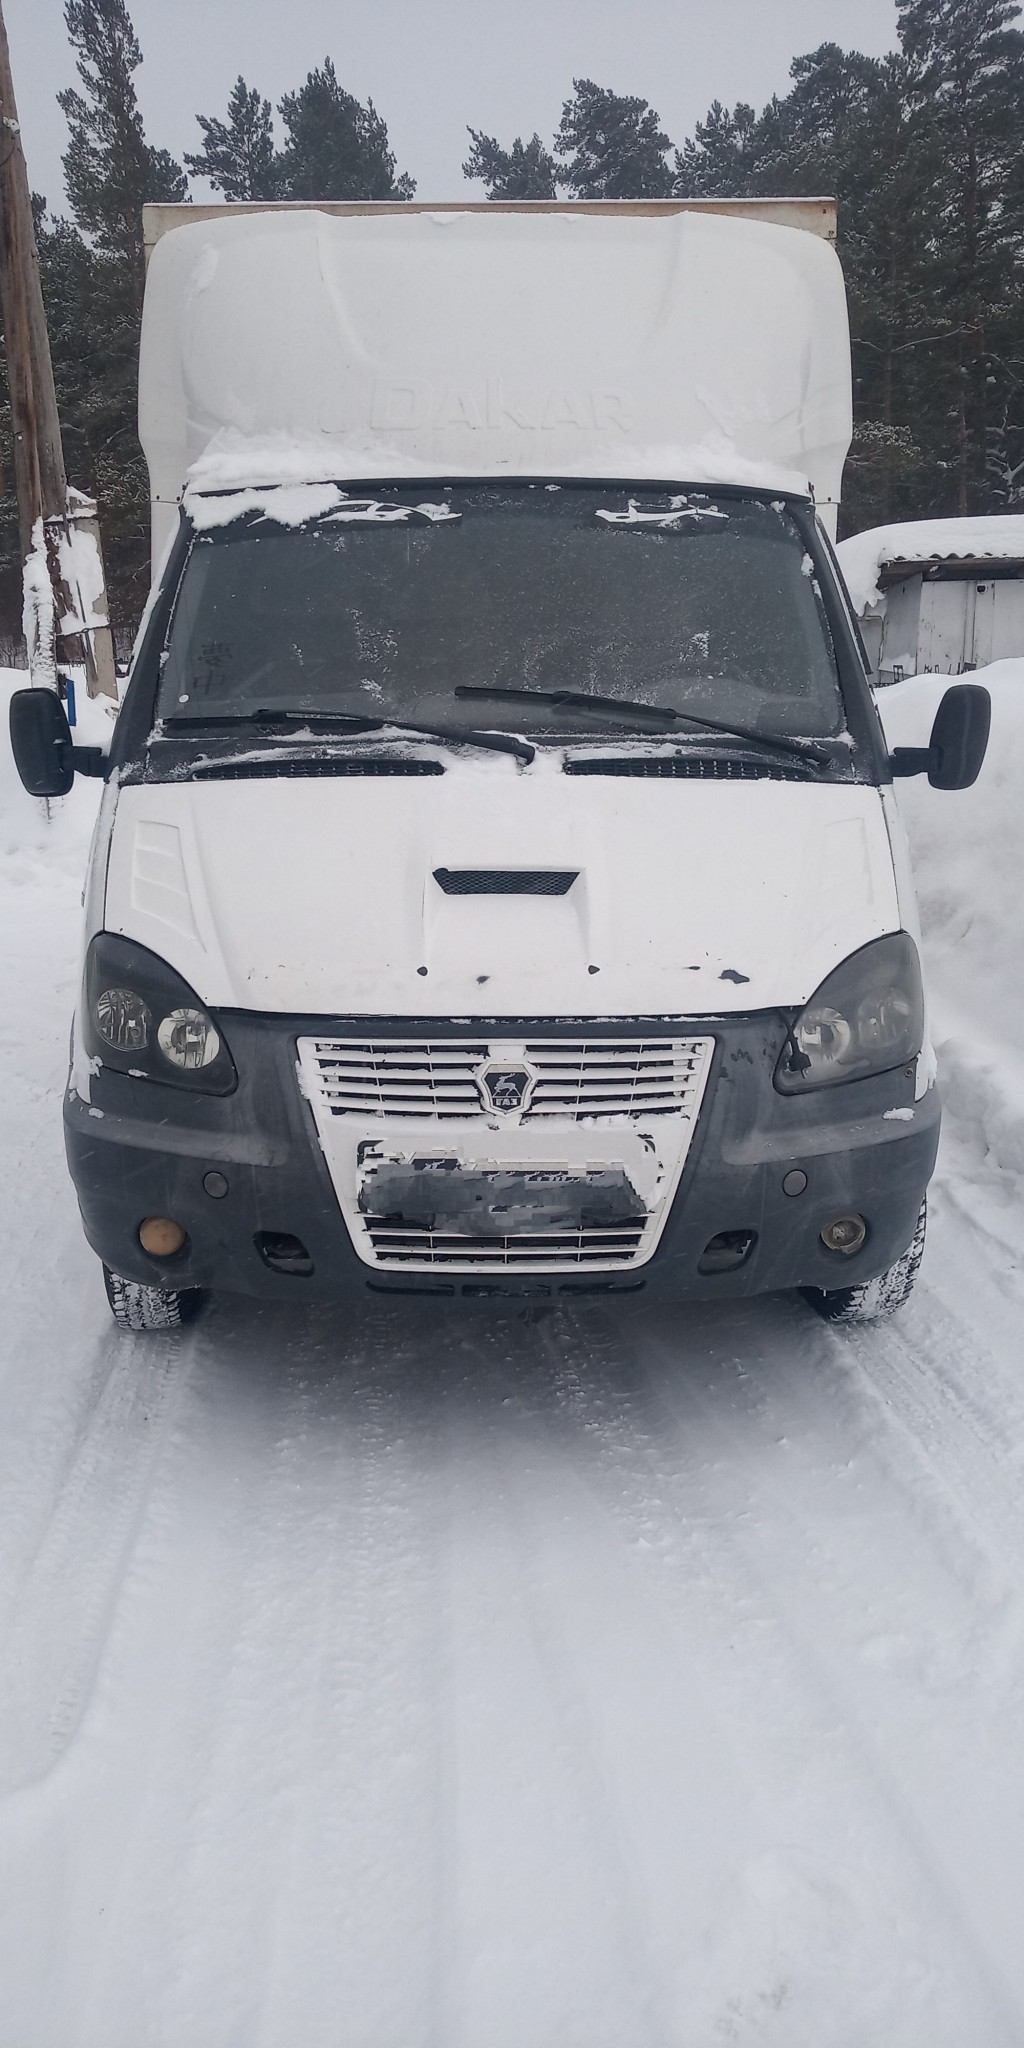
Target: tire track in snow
[[61, 1616], [370, 1816], [957, 1407], [521, 1688], [787, 1535], [655, 1496], [304, 1689]]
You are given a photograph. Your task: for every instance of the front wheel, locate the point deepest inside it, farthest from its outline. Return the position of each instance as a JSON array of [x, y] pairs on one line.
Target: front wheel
[[137, 1307], [873, 1300]]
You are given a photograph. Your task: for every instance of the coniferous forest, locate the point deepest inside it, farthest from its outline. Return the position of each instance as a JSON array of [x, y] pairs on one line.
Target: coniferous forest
[[924, 150]]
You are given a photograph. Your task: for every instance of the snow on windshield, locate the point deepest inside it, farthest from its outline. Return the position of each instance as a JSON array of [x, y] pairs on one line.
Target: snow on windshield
[[385, 604], [679, 508], [296, 505]]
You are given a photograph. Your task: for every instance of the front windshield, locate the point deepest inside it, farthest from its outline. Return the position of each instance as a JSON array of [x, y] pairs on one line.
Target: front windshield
[[701, 604]]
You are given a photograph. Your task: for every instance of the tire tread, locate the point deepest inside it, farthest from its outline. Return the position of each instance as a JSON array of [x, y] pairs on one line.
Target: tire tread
[[137, 1307]]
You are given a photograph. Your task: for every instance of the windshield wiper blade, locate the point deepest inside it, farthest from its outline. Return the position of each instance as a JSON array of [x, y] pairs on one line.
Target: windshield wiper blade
[[277, 721], [355, 722], [661, 715], [466, 736]]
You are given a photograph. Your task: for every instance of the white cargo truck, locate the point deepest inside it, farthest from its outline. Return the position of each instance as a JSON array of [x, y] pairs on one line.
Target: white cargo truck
[[498, 887]]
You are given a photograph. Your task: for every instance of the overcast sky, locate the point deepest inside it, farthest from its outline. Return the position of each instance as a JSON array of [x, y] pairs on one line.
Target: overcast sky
[[434, 66]]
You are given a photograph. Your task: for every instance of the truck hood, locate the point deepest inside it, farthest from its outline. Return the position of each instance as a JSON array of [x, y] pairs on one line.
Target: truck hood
[[320, 896]]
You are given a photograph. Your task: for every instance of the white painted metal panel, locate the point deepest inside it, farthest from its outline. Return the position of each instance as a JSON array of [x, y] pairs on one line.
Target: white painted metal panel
[[943, 629], [680, 345], [692, 898]]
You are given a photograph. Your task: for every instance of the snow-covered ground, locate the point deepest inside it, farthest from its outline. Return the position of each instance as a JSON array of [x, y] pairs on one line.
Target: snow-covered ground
[[609, 1680]]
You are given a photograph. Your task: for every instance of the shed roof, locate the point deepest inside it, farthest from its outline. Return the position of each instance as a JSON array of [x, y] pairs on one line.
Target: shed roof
[[871, 559]]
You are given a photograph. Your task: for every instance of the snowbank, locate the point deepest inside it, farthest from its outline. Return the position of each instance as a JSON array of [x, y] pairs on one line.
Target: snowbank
[[968, 854], [864, 555]]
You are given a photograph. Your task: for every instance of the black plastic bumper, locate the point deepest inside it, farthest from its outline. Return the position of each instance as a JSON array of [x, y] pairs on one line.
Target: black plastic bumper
[[138, 1149]]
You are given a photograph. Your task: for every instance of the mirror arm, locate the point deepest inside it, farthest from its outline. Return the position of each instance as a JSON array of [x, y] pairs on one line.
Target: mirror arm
[[89, 761], [910, 760]]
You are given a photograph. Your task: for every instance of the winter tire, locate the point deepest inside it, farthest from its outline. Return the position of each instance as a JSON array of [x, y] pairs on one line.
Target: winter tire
[[136, 1307], [873, 1300]]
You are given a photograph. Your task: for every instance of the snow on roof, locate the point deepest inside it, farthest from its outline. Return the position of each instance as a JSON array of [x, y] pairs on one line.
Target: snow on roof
[[864, 555]]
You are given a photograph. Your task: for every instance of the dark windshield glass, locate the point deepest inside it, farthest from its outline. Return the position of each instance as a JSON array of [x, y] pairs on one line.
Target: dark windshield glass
[[698, 603]]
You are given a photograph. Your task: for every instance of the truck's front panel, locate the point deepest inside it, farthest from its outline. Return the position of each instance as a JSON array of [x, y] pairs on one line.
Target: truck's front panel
[[478, 854]]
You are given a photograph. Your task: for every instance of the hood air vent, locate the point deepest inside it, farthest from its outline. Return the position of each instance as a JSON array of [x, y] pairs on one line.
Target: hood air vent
[[505, 881]]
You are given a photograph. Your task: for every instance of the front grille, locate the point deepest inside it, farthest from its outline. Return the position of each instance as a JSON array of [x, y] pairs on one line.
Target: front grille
[[398, 1245], [505, 881], [440, 1079]]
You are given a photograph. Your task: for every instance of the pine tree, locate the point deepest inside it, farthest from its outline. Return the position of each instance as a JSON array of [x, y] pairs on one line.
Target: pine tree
[[966, 64], [846, 127], [93, 275], [335, 147], [109, 168], [613, 147], [526, 171], [238, 154], [721, 159]]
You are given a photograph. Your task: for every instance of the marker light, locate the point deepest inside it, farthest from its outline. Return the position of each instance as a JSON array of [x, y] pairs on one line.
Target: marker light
[[160, 1236]]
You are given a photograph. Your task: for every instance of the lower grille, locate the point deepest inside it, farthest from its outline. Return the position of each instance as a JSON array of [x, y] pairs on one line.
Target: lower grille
[[398, 1246]]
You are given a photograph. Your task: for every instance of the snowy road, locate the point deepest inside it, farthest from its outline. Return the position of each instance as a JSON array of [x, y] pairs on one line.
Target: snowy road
[[645, 1679]]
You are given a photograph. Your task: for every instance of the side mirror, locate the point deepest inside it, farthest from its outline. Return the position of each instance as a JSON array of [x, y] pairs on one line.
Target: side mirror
[[954, 754], [41, 742]]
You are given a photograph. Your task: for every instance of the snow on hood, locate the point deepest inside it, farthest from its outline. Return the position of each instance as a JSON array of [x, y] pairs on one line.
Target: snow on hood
[[689, 898], [863, 556]]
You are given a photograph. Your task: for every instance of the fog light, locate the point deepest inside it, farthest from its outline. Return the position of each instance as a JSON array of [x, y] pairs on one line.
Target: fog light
[[845, 1235], [161, 1237]]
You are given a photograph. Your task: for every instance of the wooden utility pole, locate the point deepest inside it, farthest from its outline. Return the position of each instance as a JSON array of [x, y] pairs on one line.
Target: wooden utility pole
[[65, 594]]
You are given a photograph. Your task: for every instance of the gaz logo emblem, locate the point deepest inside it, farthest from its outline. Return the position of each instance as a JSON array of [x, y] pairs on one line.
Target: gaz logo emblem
[[507, 1088]]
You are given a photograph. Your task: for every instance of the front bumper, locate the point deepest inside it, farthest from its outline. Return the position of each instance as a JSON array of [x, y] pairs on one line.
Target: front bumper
[[138, 1149]]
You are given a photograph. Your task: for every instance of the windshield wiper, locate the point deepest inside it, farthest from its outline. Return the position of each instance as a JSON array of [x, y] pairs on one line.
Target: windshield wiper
[[276, 721], [354, 721], [465, 736], [659, 715]]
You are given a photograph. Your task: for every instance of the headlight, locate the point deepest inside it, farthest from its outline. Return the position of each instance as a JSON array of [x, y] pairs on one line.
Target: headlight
[[189, 1039], [122, 1019], [140, 1017], [866, 1018]]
